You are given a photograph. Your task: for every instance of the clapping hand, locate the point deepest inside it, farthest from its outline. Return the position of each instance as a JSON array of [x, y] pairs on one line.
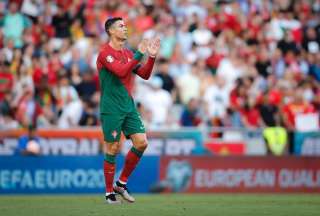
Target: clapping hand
[[143, 45], [153, 47]]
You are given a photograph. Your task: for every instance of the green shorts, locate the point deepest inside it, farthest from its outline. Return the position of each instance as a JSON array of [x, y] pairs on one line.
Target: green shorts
[[128, 123]]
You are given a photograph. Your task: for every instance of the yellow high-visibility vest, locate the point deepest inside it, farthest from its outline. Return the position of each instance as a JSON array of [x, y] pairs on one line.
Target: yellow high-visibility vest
[[276, 138]]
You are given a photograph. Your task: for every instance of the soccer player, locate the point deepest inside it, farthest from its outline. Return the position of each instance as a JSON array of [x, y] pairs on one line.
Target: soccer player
[[117, 67]]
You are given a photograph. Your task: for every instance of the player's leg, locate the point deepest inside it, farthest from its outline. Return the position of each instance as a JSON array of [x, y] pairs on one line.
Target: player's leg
[[139, 141], [112, 149], [133, 128], [111, 126]]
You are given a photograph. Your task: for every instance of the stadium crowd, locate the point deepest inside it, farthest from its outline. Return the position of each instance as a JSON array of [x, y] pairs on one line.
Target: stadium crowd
[[244, 63]]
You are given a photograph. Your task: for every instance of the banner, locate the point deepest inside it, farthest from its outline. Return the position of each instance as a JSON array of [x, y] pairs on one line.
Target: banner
[[307, 143], [226, 148], [172, 143], [68, 174], [88, 142], [307, 122], [240, 174], [72, 142]]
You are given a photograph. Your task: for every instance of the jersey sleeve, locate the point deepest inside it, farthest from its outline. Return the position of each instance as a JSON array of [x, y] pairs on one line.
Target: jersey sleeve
[[145, 70], [115, 66]]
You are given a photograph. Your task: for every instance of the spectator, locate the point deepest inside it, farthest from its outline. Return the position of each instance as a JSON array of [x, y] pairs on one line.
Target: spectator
[[6, 104], [202, 35], [287, 44], [89, 115], [238, 95], [168, 43], [250, 115], [269, 112], [75, 76], [7, 120], [53, 67], [79, 60], [263, 64], [61, 23], [216, 98], [298, 106], [87, 87], [48, 102], [158, 101], [6, 79], [23, 82], [184, 38], [65, 93], [278, 64], [29, 144], [28, 109], [146, 115], [163, 73], [255, 46], [189, 116], [232, 118], [178, 67], [7, 50], [189, 85], [230, 69], [16, 19], [315, 66], [70, 115], [143, 21], [311, 42], [316, 101]]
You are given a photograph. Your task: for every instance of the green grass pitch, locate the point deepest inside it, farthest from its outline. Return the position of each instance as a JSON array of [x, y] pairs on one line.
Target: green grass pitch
[[164, 204]]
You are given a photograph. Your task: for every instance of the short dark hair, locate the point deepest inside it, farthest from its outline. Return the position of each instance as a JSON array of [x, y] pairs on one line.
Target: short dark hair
[[110, 22]]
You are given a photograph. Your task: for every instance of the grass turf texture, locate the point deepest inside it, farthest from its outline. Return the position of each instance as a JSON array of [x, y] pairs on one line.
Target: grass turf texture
[[165, 204]]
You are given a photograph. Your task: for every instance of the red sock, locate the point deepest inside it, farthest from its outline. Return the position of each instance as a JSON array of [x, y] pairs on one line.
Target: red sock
[[132, 159], [109, 170]]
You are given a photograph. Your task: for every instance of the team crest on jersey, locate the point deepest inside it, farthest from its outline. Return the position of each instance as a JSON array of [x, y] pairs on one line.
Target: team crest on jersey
[[109, 59], [114, 134]]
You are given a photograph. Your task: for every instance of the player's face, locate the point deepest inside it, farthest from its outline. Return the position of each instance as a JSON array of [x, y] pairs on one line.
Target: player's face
[[119, 30]]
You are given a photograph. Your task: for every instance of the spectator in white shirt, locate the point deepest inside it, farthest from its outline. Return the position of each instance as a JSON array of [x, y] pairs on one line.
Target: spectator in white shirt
[[216, 98], [158, 101]]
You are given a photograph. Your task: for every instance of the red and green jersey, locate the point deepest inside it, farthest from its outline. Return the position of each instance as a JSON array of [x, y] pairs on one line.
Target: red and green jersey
[[117, 69]]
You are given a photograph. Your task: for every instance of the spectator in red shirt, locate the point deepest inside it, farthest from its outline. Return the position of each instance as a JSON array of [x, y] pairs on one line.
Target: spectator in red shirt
[[316, 101], [52, 68], [250, 115], [144, 21], [298, 106], [28, 109], [238, 95], [6, 79]]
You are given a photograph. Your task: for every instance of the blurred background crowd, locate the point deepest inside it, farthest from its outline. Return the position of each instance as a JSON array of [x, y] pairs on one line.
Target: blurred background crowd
[[242, 63]]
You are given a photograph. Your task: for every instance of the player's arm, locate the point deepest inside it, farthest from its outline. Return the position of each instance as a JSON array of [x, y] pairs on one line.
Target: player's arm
[[115, 66], [145, 70], [153, 49]]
